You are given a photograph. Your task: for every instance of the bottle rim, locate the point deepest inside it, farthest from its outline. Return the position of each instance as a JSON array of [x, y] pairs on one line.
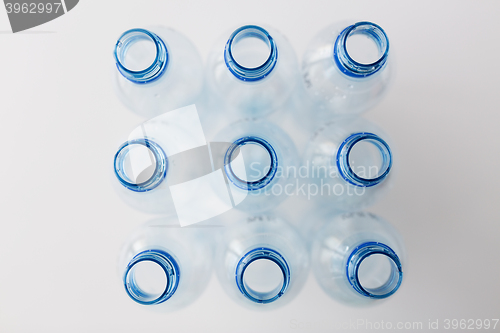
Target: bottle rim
[[343, 154], [159, 174], [170, 268], [259, 254], [153, 71], [250, 185], [246, 73], [362, 252], [347, 64]]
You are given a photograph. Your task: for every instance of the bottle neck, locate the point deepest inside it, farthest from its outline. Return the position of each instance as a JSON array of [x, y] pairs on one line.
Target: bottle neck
[[372, 171], [392, 280], [240, 71], [154, 70], [262, 296], [233, 160], [169, 266], [140, 165], [345, 62]]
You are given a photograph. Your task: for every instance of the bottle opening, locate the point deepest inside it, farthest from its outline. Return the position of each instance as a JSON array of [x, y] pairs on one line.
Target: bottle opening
[[141, 56], [257, 161], [251, 53], [250, 50], [150, 278], [374, 270], [366, 159], [140, 53], [362, 48], [140, 165], [263, 276], [378, 275], [250, 163]]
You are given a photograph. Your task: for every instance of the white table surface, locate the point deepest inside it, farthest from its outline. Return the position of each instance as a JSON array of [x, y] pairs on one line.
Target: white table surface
[[61, 224]]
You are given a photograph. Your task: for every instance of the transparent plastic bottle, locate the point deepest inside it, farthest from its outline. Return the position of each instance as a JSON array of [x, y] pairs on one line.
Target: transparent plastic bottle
[[253, 70], [346, 68], [349, 163], [357, 258], [258, 159], [164, 151], [261, 262], [165, 264], [157, 70]]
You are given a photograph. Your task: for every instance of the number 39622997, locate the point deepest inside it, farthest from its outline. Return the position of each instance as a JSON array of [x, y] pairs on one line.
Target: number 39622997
[[33, 8]]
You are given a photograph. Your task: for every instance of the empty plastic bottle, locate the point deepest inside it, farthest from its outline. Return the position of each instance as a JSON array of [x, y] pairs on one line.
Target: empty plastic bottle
[[349, 163], [253, 70], [164, 151], [357, 258], [261, 261], [346, 68], [164, 263], [157, 70], [259, 160]]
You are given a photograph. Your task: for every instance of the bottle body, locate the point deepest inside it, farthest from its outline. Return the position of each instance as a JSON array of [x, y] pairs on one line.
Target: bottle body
[[357, 258], [165, 265], [350, 162], [346, 69], [251, 79], [258, 161], [157, 70], [261, 261]]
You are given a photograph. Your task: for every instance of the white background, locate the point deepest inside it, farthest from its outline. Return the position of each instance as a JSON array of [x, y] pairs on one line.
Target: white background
[[61, 224]]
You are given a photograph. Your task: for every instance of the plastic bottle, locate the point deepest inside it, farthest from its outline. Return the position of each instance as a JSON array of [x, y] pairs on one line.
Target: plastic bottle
[[165, 264], [157, 70], [252, 70], [349, 164], [357, 258], [259, 160], [261, 262], [346, 68], [164, 151]]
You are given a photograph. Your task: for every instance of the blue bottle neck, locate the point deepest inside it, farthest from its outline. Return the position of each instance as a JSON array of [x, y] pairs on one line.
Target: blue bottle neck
[[344, 165], [170, 268], [245, 73], [158, 158], [362, 252], [153, 71], [347, 64], [231, 155], [262, 253]]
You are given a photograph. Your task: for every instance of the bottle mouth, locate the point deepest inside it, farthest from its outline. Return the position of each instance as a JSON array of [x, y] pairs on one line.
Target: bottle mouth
[[170, 268], [232, 157], [246, 72], [152, 71], [243, 267], [363, 252], [346, 62], [344, 161], [140, 165]]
